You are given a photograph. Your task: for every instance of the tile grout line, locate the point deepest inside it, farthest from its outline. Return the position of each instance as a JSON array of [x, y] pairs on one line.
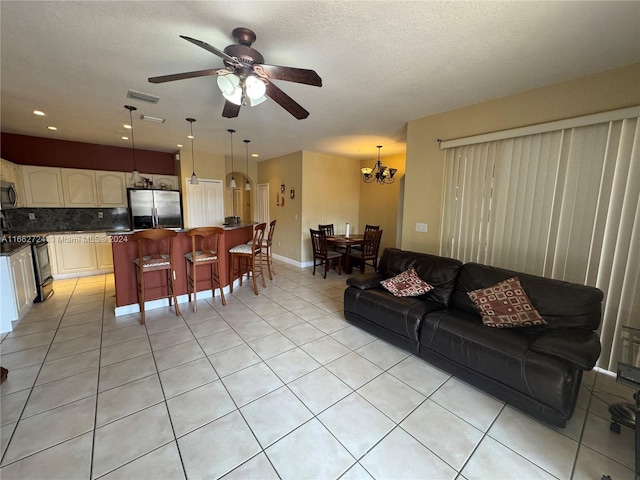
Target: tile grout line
[[31, 392]]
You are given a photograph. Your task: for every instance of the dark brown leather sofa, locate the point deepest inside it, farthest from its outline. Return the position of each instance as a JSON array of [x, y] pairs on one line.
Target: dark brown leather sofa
[[535, 369]]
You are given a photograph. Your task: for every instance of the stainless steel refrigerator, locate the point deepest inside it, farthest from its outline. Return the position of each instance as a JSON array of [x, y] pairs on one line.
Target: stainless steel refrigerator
[[154, 208]]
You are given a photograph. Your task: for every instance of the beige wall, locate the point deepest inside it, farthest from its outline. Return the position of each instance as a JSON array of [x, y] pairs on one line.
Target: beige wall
[[285, 170], [331, 194], [379, 204], [610, 90], [327, 190]]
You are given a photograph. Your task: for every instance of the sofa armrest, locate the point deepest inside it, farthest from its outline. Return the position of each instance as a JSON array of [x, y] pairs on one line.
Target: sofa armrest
[[365, 281], [578, 347]]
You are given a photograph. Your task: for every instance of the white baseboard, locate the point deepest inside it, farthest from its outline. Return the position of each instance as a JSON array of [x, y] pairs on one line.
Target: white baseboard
[[63, 276], [164, 302]]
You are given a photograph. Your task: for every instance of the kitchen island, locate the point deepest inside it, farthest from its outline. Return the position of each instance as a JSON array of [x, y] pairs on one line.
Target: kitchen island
[[125, 250]]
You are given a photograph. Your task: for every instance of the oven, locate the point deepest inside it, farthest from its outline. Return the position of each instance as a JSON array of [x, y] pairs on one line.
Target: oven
[[42, 269]]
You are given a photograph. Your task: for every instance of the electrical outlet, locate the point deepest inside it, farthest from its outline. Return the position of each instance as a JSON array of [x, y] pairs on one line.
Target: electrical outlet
[[421, 227], [100, 215], [32, 216]]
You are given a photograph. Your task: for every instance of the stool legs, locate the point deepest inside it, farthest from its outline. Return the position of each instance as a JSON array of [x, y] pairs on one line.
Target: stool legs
[[141, 293]]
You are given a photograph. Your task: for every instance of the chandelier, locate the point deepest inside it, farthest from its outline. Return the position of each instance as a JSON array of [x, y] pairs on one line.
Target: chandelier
[[379, 172]]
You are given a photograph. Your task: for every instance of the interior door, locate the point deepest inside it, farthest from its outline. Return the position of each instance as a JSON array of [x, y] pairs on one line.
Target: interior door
[[206, 203]]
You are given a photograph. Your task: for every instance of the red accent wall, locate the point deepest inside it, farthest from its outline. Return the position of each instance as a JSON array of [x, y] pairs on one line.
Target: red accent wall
[[47, 152]]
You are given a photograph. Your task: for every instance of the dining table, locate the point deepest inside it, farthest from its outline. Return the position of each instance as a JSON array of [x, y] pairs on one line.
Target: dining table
[[346, 241]]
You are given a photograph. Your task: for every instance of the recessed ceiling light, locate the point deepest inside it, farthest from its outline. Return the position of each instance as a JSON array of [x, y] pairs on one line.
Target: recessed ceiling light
[[126, 125], [39, 112], [179, 146], [255, 155], [124, 138], [51, 127]]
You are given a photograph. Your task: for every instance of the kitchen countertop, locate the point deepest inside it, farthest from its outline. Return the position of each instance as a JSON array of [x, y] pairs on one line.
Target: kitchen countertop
[[9, 248], [180, 230]]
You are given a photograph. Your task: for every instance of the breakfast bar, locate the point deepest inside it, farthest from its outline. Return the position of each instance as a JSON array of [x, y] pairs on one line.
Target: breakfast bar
[[125, 250]]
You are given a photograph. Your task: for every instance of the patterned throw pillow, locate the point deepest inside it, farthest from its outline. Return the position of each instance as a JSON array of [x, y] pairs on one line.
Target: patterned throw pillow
[[506, 305], [406, 284]]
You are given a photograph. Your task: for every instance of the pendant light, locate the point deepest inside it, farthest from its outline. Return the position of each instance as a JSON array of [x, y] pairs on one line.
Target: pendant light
[[247, 186], [194, 179], [135, 174], [232, 183]]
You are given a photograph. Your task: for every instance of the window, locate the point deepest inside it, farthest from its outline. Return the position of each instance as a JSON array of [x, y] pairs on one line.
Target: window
[[560, 200]]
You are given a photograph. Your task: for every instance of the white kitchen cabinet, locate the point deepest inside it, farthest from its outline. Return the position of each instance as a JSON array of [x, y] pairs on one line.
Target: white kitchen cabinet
[[79, 188], [111, 189], [104, 252], [18, 286], [168, 182], [42, 186], [81, 254], [11, 172]]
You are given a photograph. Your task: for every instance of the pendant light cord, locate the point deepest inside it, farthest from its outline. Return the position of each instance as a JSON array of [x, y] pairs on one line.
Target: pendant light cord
[[133, 142]]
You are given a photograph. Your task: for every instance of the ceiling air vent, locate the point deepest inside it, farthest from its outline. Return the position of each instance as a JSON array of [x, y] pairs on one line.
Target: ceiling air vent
[[143, 96], [149, 118]]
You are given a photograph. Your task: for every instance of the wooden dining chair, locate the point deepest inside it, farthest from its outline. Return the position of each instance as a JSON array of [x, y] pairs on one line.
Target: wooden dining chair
[[367, 228], [205, 250], [155, 253], [327, 229], [322, 253], [370, 247], [249, 259]]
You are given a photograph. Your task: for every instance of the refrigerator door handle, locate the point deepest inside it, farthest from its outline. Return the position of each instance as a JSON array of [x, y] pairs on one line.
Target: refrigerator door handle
[[154, 217]]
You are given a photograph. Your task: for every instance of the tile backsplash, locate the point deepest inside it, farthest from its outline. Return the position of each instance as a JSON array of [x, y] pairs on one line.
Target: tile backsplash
[[46, 220]]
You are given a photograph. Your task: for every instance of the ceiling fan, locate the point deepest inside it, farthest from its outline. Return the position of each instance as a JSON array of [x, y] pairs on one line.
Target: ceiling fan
[[246, 79]]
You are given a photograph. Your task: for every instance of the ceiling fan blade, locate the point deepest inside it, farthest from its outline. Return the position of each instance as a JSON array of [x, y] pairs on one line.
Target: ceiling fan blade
[[289, 74], [231, 110], [286, 102], [182, 76], [211, 49]]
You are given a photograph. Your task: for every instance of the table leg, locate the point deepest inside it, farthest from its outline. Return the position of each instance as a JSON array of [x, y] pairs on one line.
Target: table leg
[[347, 263]]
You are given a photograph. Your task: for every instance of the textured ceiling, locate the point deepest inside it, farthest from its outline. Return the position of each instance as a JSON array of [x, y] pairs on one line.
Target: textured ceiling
[[382, 64]]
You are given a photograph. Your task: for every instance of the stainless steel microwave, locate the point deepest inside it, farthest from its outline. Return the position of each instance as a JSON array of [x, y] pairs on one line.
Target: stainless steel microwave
[[8, 195]]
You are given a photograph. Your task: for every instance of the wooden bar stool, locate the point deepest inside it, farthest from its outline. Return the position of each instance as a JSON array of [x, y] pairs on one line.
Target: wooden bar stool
[[205, 247], [266, 245], [249, 258], [158, 246]]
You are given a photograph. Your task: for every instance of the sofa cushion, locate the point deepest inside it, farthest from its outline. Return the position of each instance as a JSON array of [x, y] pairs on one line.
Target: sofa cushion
[[401, 315], [561, 304], [505, 305], [406, 284], [502, 355], [439, 272]]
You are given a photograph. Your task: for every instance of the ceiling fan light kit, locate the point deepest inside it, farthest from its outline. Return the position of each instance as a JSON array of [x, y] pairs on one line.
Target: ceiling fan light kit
[[379, 173], [246, 79]]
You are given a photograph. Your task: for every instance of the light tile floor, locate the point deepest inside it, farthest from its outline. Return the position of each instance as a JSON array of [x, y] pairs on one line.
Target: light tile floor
[[271, 386]]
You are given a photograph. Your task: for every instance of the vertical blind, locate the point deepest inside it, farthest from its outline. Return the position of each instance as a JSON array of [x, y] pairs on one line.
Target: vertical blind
[[562, 204]]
